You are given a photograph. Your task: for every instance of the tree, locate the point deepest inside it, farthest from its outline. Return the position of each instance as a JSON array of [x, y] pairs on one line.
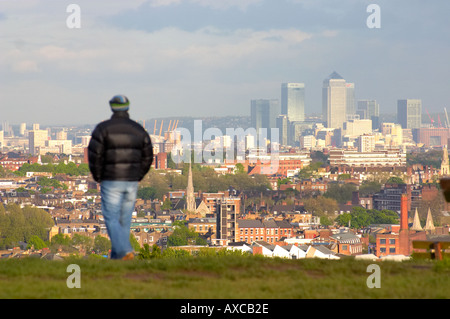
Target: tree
[[369, 188], [61, 239], [134, 243], [21, 224], [182, 236], [36, 242], [83, 242], [101, 245], [361, 217], [146, 193], [167, 204], [341, 193], [395, 180], [321, 206]]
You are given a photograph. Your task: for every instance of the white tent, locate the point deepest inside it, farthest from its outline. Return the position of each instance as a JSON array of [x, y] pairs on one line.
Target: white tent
[[366, 257], [395, 258]]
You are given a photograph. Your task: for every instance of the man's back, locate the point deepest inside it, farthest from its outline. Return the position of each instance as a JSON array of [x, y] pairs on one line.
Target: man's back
[[120, 149]]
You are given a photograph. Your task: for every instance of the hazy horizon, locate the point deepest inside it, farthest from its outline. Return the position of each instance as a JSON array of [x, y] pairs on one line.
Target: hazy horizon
[[211, 58]]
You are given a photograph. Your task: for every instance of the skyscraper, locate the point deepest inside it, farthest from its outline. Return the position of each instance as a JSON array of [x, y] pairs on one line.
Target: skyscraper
[[293, 101], [370, 110], [36, 140], [351, 103], [264, 114], [334, 101], [283, 126], [409, 113]]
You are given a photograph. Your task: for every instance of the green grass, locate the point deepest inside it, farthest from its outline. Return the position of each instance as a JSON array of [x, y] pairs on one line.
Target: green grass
[[235, 277]]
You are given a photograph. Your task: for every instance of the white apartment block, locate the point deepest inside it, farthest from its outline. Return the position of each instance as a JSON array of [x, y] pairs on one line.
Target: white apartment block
[[382, 158]]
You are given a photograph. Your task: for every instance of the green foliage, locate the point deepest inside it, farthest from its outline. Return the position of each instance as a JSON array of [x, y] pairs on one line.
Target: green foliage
[[101, 245], [395, 180], [134, 243], [69, 169], [21, 224], [146, 193], [361, 217], [36, 242], [321, 206], [83, 242], [156, 185], [341, 193], [182, 236], [432, 157], [167, 204], [369, 188], [61, 239]]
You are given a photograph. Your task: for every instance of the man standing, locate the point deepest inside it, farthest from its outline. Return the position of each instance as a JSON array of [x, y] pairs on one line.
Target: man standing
[[120, 154]]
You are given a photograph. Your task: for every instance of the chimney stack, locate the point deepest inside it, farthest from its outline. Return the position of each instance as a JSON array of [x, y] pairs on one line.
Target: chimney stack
[[404, 212]]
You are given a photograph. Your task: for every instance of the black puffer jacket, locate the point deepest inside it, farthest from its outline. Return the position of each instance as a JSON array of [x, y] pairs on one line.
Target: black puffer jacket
[[120, 149]]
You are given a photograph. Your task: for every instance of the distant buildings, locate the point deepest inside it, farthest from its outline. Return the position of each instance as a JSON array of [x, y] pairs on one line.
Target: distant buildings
[[409, 113], [264, 114], [381, 158], [36, 140], [293, 101], [334, 101]]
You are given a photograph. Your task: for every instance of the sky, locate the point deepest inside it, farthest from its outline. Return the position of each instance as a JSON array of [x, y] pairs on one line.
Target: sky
[[212, 57]]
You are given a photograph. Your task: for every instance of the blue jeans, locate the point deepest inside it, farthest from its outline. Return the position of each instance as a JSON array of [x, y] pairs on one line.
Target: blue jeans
[[118, 200]]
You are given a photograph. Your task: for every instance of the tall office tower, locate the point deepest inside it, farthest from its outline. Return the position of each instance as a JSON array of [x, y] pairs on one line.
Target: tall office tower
[[293, 101], [22, 129], [2, 141], [409, 113], [334, 101], [7, 129], [36, 140], [351, 103], [36, 126], [283, 127], [370, 110], [367, 109], [264, 114]]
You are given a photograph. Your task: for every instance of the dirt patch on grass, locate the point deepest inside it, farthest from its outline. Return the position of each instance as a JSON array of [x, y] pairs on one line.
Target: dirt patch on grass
[[315, 273], [144, 276]]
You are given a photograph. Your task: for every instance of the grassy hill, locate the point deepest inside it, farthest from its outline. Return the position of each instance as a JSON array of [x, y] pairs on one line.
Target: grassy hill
[[236, 277]]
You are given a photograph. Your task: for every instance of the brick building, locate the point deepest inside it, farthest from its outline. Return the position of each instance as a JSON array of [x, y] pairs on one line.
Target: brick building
[[270, 231]]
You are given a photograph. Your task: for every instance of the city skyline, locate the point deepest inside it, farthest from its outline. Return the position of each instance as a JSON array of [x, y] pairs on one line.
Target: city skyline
[[204, 58]]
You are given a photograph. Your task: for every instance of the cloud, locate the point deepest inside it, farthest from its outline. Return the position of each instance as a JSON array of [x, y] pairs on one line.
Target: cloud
[[211, 57]]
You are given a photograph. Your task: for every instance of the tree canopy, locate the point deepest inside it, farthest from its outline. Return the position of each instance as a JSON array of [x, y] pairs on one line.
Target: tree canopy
[[361, 217], [22, 224]]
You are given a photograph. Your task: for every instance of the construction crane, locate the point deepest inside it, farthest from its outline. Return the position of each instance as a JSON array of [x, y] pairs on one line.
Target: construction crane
[[431, 119], [160, 129], [439, 121], [446, 116]]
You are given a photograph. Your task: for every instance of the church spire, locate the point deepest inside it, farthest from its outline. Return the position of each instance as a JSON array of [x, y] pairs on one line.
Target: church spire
[[416, 224], [429, 224], [190, 198]]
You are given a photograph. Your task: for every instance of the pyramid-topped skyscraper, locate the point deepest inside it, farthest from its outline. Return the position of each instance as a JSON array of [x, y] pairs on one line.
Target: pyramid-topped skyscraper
[[334, 101]]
